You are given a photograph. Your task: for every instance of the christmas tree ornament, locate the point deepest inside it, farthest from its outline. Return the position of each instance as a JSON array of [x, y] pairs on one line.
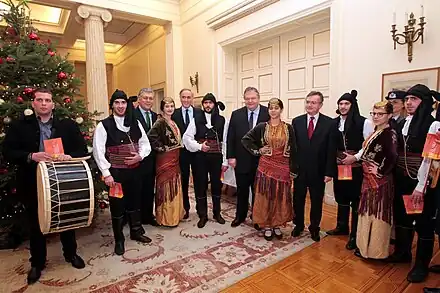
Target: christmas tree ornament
[[62, 75], [2, 101], [28, 112], [11, 31], [51, 53], [28, 90], [33, 36], [7, 120], [10, 59], [79, 120], [67, 100], [2, 135], [20, 99], [1, 60]]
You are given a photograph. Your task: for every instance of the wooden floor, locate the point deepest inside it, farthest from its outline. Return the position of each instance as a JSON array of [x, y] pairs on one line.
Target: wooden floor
[[327, 266]]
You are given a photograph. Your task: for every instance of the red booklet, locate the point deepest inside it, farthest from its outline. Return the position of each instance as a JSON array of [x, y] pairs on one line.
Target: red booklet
[[410, 207], [54, 147], [116, 191], [431, 149], [344, 172]]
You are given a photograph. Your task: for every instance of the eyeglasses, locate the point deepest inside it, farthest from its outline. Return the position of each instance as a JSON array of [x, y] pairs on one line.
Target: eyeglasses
[[378, 114]]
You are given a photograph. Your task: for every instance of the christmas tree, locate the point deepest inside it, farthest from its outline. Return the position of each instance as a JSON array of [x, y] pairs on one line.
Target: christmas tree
[[28, 62]]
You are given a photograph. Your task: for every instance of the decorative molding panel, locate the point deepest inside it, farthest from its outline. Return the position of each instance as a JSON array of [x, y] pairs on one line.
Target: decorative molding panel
[[237, 12]]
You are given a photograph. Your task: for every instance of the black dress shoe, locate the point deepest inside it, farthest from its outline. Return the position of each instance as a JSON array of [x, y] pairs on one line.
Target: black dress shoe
[[315, 236], [33, 275], [357, 252], [202, 222], [431, 290], [186, 216], [76, 261], [338, 231], [153, 222], [141, 238], [257, 227], [397, 257], [119, 248], [219, 219], [236, 223], [297, 231], [435, 269], [351, 244]]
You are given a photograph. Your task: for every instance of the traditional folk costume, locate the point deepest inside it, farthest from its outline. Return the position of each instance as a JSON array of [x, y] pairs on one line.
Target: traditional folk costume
[[209, 128], [412, 136], [349, 136], [165, 139], [375, 207], [115, 139], [275, 174]]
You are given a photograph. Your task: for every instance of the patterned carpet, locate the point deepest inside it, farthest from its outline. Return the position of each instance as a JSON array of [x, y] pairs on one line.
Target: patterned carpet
[[182, 259]]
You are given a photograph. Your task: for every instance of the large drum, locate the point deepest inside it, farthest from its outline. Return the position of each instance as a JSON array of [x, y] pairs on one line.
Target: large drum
[[65, 195]]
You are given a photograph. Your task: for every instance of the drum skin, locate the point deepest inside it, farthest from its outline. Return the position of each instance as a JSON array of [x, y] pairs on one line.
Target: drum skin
[[66, 197]]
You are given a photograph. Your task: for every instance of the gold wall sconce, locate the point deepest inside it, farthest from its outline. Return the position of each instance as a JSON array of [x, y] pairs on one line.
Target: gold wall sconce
[[410, 35], [195, 81]]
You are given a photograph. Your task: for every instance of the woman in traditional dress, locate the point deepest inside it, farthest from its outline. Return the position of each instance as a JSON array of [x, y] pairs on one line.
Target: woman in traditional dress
[[274, 142], [165, 139], [375, 208]]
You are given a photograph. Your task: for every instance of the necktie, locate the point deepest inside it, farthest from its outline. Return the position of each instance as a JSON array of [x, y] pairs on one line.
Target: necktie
[[147, 119], [251, 121], [186, 118], [311, 127]]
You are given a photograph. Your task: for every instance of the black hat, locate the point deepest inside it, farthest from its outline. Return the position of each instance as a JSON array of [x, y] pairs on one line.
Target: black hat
[[422, 116], [351, 97], [211, 97], [130, 118], [118, 94], [353, 115], [396, 95]]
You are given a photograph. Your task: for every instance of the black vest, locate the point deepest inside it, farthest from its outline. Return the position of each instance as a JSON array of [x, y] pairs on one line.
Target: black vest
[[354, 136], [117, 137], [203, 132], [413, 144]]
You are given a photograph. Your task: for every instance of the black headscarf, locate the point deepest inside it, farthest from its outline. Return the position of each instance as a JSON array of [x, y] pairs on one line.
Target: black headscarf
[[422, 116], [353, 115], [130, 118]]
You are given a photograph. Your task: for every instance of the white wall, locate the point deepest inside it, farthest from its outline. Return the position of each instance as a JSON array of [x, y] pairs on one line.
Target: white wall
[[362, 47]]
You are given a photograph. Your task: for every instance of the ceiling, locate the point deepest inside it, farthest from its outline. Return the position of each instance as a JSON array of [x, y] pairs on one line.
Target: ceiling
[[59, 24]]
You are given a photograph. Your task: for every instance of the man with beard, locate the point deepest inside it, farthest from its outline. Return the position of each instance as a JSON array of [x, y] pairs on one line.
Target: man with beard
[[119, 145], [350, 131], [397, 99], [412, 134], [204, 137]]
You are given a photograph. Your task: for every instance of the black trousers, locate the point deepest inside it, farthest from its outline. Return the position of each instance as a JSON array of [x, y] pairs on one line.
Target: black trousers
[[316, 187], [244, 181], [186, 162], [131, 187], [147, 179], [38, 248], [348, 194], [207, 163]]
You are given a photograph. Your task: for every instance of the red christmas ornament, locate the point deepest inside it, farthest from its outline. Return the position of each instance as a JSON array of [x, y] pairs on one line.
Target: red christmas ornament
[[3, 171], [102, 205], [67, 100], [62, 75], [33, 36], [87, 137], [10, 59], [1, 60], [19, 99], [28, 90], [11, 31], [14, 191], [50, 52]]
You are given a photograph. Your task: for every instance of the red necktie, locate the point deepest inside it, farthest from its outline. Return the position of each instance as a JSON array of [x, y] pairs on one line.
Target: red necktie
[[310, 128]]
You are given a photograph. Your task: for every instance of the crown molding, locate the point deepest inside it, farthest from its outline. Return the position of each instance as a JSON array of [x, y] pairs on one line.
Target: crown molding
[[237, 12]]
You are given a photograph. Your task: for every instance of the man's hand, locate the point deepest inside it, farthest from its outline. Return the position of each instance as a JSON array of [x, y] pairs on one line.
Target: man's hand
[[135, 158], [63, 157], [349, 159], [41, 157], [327, 179], [417, 198], [205, 147], [265, 150], [232, 162], [109, 181]]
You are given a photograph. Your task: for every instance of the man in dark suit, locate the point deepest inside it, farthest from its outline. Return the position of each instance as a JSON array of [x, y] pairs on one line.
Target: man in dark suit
[[244, 163], [24, 146], [397, 99], [147, 117], [182, 117], [317, 162]]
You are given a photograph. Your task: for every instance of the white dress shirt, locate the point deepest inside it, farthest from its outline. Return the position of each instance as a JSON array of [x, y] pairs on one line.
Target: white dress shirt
[[188, 137], [422, 174], [368, 129], [406, 125], [100, 139]]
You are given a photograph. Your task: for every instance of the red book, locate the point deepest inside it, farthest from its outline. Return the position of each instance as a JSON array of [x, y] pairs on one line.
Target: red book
[[54, 147], [344, 172], [431, 149], [116, 191], [410, 207]]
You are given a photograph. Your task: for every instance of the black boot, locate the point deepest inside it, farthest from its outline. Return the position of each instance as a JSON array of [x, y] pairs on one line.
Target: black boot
[[402, 248], [431, 290], [342, 221], [218, 217], [216, 208], [202, 222], [351, 244], [424, 252], [118, 225], [136, 229]]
